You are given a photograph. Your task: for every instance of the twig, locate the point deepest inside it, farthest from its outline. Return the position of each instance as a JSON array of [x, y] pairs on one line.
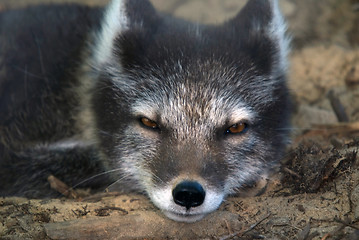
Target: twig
[[305, 232], [326, 236], [251, 227], [291, 172], [346, 223], [61, 187], [228, 227], [338, 107], [101, 211]]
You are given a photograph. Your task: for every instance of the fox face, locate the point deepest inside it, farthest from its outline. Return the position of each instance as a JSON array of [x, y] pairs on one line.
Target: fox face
[[190, 113]]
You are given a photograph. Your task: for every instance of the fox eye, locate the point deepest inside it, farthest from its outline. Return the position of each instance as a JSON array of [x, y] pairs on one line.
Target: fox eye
[[148, 123], [237, 128]]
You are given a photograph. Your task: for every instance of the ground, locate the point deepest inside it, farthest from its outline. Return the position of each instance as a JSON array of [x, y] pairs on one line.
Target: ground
[[315, 195]]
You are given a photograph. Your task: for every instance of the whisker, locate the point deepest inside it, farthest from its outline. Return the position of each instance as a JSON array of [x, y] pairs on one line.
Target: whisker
[[25, 71], [156, 177], [117, 181], [25, 81], [105, 133], [40, 57], [292, 129], [95, 176]]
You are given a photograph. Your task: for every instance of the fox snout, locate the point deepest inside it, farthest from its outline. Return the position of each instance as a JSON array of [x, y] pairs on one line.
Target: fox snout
[[188, 194], [186, 201]]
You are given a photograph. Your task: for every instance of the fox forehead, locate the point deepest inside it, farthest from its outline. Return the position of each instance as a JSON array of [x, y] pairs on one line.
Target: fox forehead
[[206, 92], [193, 105], [213, 110], [209, 94]]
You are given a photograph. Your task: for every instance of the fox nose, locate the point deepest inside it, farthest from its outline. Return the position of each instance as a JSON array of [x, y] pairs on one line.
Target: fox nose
[[188, 194]]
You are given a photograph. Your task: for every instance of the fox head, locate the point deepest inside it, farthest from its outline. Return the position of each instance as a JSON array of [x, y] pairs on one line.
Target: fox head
[[190, 113]]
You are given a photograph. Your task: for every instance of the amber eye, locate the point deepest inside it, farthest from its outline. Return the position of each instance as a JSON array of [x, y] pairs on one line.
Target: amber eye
[[149, 123], [237, 128]]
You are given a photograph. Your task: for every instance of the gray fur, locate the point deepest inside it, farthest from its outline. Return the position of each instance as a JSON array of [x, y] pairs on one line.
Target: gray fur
[[195, 81]]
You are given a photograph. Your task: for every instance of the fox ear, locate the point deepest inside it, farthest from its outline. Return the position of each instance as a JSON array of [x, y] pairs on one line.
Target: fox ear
[[262, 19], [120, 16]]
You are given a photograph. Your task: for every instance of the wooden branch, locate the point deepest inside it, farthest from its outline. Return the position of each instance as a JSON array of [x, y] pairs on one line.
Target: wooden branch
[[141, 225], [331, 129]]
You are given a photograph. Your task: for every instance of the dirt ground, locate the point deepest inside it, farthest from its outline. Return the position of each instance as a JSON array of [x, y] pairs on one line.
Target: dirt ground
[[315, 194]]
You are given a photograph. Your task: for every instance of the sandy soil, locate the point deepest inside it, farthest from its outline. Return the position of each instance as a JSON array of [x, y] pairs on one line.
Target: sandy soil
[[315, 195]]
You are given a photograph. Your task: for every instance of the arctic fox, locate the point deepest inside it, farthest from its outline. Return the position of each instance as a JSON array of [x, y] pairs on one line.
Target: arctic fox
[[125, 96]]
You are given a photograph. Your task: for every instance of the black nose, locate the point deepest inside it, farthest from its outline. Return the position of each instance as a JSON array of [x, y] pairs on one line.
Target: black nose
[[188, 194]]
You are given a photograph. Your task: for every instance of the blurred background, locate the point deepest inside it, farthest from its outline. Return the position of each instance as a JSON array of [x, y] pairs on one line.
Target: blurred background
[[310, 20]]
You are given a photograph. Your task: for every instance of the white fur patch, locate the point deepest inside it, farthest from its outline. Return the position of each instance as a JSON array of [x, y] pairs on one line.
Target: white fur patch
[[66, 144], [277, 31], [115, 21], [241, 114], [144, 109], [163, 199]]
